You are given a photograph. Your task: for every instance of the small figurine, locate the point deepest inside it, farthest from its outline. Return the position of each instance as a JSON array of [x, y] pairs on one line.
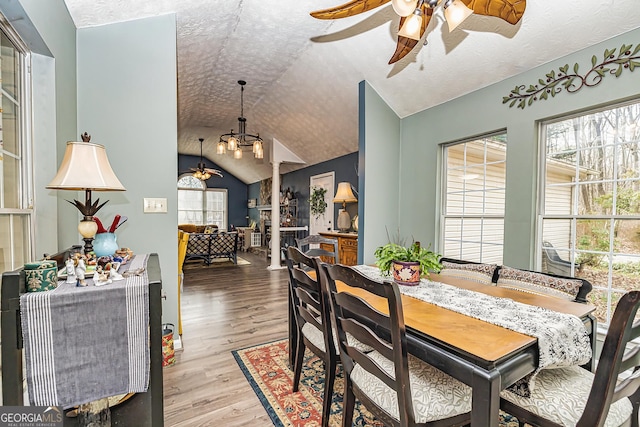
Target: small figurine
[[70, 268], [80, 270], [113, 272], [101, 277]]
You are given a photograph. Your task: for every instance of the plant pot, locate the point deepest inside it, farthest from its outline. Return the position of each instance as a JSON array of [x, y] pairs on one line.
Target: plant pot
[[406, 273]]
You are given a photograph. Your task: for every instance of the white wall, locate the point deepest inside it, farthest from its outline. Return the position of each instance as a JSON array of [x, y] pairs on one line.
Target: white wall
[[127, 101]]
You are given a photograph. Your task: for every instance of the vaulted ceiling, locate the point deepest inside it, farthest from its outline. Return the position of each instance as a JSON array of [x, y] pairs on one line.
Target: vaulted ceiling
[[302, 73]]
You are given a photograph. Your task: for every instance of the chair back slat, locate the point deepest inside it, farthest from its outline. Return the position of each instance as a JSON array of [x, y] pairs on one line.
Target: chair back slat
[[304, 244], [309, 303], [607, 386], [389, 340]]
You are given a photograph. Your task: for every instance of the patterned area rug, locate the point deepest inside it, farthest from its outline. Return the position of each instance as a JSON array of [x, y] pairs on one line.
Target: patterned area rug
[[215, 263], [266, 369]]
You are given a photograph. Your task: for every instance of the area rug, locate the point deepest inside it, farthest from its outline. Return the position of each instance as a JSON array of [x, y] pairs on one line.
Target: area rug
[[215, 263], [266, 369]]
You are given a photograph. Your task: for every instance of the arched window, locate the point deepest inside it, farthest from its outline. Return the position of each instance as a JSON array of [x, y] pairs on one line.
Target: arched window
[[200, 205]]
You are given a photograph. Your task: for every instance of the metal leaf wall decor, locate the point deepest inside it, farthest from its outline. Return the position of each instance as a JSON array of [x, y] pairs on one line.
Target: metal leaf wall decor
[[554, 82]]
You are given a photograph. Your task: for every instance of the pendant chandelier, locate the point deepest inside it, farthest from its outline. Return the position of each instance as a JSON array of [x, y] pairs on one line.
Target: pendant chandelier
[[235, 142]]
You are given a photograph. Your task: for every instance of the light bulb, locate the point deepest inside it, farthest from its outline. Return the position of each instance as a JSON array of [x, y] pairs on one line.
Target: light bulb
[[260, 153], [404, 7], [455, 12], [221, 149], [232, 143], [237, 154], [257, 145], [412, 26]]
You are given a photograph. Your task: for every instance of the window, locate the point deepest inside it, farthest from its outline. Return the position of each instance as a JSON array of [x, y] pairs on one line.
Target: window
[[473, 203], [590, 202], [200, 205], [15, 193]]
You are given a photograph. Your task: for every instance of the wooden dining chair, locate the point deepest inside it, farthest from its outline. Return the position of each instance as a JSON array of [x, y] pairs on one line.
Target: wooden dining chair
[[326, 255], [313, 323], [571, 288], [398, 388], [574, 396]]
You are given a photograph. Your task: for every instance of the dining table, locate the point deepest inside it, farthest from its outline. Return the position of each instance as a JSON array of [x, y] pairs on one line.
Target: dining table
[[483, 355]]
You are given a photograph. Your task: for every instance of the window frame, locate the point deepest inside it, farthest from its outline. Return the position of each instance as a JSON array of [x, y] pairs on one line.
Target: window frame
[[22, 100], [575, 216], [445, 215], [205, 190]]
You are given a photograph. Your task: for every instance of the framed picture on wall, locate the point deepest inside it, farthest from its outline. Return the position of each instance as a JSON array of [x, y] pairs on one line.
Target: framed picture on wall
[[252, 203]]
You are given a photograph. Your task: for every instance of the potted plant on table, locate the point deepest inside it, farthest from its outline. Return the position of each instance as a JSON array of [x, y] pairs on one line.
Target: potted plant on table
[[407, 263]]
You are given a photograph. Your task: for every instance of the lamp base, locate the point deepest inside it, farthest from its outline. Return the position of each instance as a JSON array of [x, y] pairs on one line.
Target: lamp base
[[344, 221]]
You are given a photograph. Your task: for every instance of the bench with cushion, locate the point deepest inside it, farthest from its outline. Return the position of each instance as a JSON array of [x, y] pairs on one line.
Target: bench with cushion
[[207, 246]]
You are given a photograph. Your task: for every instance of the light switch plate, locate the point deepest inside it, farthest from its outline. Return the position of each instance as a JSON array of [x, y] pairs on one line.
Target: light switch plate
[[155, 205]]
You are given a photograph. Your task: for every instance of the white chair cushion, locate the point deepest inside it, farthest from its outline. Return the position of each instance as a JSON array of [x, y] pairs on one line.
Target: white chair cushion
[[316, 336], [560, 395], [435, 394]]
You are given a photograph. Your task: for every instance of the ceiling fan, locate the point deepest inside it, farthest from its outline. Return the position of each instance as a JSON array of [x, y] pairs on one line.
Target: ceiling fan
[[201, 171], [417, 14]]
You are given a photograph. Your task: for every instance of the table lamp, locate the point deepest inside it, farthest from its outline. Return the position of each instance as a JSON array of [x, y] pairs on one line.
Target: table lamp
[[344, 195], [85, 166]]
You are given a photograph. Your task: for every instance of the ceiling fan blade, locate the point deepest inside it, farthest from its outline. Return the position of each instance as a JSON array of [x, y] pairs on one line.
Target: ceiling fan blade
[[509, 10], [213, 172], [405, 44], [354, 7]]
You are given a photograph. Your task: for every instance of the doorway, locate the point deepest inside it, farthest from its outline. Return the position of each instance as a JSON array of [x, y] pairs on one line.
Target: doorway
[[323, 222]]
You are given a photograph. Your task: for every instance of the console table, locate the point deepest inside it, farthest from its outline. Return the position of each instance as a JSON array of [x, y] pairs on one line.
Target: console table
[[347, 246], [142, 409]]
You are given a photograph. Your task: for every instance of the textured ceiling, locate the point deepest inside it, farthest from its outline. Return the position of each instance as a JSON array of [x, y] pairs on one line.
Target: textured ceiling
[[302, 74]]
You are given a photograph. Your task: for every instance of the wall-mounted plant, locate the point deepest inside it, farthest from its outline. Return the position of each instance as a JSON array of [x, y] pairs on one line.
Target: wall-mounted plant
[[627, 58], [317, 202]]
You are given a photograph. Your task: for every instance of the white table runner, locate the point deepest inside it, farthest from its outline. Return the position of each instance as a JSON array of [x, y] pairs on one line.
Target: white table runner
[[562, 338]]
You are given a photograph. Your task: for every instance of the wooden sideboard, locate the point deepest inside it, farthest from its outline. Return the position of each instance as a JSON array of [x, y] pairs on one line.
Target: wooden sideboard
[[347, 246]]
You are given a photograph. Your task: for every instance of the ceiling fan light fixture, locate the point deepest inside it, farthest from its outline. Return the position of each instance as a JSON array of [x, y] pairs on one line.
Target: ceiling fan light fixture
[[455, 12], [221, 148], [404, 7], [412, 25]]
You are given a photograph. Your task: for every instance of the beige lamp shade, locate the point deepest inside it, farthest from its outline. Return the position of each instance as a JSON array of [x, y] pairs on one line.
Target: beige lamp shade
[[344, 194], [85, 166]]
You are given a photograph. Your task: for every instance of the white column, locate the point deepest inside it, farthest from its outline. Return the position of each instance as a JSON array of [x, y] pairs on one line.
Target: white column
[[275, 217]]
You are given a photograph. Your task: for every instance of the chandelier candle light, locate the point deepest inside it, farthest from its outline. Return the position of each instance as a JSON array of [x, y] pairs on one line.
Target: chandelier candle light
[[235, 142], [85, 166], [344, 195]]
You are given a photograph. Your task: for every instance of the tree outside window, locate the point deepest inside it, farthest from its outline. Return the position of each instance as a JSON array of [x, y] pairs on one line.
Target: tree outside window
[[590, 210]]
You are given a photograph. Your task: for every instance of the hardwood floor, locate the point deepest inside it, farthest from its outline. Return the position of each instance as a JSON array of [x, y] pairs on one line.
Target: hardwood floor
[[223, 309]]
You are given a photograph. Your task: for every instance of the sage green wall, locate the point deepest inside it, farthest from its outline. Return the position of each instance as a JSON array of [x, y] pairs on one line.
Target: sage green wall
[[482, 112], [127, 101], [379, 146]]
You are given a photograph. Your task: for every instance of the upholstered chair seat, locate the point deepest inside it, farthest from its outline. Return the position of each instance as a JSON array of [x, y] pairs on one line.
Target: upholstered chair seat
[[435, 395], [560, 395]]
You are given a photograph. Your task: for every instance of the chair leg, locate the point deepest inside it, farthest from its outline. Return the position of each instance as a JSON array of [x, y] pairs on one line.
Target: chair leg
[[329, 380], [635, 401], [297, 368], [348, 403]]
